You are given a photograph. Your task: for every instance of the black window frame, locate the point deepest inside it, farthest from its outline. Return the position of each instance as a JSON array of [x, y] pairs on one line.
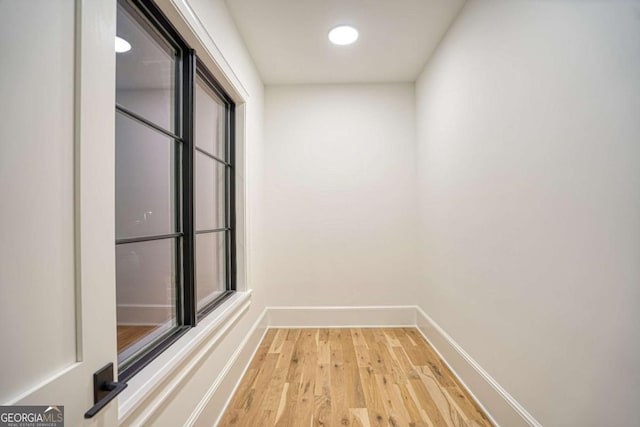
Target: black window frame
[[188, 64]]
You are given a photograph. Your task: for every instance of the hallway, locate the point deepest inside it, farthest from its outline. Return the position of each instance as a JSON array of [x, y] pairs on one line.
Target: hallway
[[327, 213]]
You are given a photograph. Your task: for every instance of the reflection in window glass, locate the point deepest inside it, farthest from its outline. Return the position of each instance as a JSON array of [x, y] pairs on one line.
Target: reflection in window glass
[[145, 180], [210, 121], [212, 199], [146, 74], [210, 267], [145, 293], [210, 193]]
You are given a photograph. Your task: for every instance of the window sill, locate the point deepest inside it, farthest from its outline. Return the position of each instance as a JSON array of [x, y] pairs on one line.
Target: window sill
[[177, 361]]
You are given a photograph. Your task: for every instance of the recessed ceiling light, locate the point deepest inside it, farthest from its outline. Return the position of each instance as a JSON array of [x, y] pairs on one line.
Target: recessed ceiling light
[[122, 45], [343, 34]]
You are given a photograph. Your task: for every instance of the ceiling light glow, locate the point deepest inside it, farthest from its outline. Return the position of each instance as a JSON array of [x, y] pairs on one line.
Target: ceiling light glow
[[343, 34], [122, 45]]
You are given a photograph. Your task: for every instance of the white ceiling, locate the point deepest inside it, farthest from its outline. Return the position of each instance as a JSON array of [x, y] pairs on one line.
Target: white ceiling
[[288, 38]]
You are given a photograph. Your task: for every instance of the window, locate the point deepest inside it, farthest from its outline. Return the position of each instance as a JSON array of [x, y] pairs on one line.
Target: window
[[214, 199], [175, 213]]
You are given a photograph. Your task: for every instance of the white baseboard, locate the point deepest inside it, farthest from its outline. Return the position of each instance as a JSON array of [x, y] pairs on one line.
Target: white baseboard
[[341, 317], [143, 314], [219, 395], [501, 407]]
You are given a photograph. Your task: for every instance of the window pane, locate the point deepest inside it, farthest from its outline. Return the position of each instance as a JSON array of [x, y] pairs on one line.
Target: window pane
[[145, 180], [146, 74], [145, 293], [210, 120], [210, 267], [210, 193]]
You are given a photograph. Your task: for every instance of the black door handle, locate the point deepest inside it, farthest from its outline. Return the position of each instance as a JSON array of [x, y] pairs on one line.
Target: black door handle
[[104, 389]]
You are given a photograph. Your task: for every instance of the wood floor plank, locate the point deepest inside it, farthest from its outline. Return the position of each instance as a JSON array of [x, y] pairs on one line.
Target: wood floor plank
[[284, 417], [359, 417], [339, 407], [358, 338], [395, 414], [427, 404], [253, 403], [322, 390], [322, 410], [263, 350], [362, 356], [272, 400], [373, 398], [448, 411], [278, 340], [390, 335], [377, 353], [405, 364], [305, 382], [468, 406], [415, 415], [353, 385], [361, 377]]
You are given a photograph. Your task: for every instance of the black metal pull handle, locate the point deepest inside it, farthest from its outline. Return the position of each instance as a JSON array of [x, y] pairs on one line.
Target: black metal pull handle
[[104, 389], [114, 390]]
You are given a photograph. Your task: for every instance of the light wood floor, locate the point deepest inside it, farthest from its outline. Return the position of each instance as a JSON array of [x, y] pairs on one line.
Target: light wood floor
[[128, 334], [349, 377]]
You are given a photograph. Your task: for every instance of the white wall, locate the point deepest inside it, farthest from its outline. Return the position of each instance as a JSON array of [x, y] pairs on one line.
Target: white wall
[[528, 137], [339, 195], [37, 262]]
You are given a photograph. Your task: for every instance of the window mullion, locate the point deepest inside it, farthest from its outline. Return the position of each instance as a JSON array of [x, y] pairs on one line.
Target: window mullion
[[188, 305], [231, 200]]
